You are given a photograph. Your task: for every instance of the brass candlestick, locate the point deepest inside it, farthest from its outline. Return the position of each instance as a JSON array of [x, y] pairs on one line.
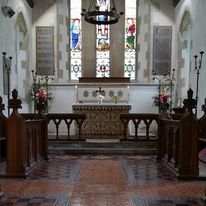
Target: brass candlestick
[[7, 66], [197, 68], [159, 86]]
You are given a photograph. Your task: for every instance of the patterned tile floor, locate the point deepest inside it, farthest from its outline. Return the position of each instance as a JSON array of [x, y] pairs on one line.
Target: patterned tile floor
[[101, 181]]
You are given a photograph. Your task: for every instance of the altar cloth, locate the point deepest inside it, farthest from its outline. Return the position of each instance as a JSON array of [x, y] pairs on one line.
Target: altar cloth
[[102, 120]]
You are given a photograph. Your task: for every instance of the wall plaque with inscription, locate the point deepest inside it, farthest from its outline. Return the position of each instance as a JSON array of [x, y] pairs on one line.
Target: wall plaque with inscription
[[162, 39], [45, 50]]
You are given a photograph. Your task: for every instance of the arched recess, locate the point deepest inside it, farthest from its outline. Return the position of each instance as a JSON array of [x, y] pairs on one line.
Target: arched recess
[[22, 56], [184, 52]]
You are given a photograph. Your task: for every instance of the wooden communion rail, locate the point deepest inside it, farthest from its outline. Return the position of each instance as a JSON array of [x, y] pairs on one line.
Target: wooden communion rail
[[57, 119], [136, 119]]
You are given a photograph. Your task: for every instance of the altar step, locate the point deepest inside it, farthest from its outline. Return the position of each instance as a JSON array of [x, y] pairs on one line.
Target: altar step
[[86, 148]]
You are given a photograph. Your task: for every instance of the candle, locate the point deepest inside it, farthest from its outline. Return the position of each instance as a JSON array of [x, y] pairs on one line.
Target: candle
[[76, 90], [128, 94], [179, 102]]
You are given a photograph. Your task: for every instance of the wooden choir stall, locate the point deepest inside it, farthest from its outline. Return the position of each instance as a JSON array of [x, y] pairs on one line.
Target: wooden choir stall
[[26, 141]]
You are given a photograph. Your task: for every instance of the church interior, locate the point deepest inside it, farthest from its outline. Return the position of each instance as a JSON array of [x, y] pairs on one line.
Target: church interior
[[102, 103]]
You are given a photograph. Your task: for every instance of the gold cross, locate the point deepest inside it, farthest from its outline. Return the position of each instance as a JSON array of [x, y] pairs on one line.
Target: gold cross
[[100, 91]]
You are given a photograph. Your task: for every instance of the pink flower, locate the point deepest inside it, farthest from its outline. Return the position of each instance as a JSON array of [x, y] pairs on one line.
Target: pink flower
[[43, 95]]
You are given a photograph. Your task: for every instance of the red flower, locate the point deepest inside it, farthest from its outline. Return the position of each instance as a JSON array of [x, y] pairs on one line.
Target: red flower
[[159, 99]]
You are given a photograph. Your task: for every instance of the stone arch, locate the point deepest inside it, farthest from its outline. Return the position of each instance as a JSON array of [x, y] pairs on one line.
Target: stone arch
[[22, 57], [184, 52], [185, 22], [20, 21]]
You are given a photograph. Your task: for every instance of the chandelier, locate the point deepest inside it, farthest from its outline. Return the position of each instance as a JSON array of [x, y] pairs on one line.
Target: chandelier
[[97, 16]]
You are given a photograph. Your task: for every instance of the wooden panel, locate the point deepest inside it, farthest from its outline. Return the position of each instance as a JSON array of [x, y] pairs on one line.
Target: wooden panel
[[104, 80]]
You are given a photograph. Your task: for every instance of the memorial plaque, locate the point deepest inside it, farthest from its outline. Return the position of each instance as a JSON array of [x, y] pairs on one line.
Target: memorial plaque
[[45, 50], [162, 39]]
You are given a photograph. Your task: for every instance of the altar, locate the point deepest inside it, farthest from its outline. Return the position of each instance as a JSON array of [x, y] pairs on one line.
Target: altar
[[102, 120]]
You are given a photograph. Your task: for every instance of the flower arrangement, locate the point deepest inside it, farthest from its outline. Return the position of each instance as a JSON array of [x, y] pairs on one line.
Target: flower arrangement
[[39, 93], [41, 98], [43, 94], [160, 99]]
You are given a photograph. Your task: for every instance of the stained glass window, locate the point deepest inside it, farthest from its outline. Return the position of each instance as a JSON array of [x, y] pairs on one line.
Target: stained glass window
[[130, 39], [102, 43], [75, 40]]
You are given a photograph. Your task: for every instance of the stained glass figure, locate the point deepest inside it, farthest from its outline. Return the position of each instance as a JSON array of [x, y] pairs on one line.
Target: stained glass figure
[[102, 42], [130, 38], [75, 33], [75, 40], [130, 33]]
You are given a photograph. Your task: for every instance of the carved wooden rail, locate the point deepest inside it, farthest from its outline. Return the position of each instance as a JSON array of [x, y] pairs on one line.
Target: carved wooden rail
[[202, 128], [68, 118], [2, 131], [36, 144], [57, 119], [136, 119], [168, 142]]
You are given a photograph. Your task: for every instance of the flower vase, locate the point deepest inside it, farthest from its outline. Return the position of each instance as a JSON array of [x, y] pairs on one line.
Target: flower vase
[[163, 107], [41, 107]]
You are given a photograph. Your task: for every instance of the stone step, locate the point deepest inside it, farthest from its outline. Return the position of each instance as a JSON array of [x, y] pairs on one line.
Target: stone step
[[123, 147]]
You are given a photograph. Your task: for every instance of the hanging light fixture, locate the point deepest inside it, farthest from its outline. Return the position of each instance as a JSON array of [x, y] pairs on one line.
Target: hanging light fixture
[[96, 16]]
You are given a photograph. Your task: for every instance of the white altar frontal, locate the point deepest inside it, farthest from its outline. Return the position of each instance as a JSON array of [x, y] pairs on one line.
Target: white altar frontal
[[102, 120]]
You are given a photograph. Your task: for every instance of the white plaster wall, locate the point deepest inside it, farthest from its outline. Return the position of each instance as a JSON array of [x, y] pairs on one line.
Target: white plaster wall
[[64, 97], [198, 36], [8, 41], [141, 98], [185, 72], [142, 102]]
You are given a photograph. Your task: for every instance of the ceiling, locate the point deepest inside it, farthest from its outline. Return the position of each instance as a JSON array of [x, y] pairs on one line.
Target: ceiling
[[31, 3], [175, 2]]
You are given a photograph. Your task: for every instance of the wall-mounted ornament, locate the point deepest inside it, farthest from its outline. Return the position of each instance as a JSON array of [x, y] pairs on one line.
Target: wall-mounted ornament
[[7, 10]]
